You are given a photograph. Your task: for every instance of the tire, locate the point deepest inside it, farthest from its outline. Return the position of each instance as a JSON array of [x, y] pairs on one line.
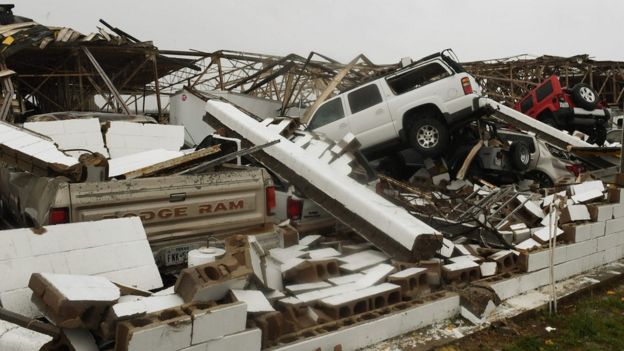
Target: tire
[[584, 96], [597, 135], [520, 156], [541, 178], [428, 136]]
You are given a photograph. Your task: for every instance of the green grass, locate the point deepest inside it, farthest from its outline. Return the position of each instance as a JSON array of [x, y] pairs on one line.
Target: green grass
[[593, 324]]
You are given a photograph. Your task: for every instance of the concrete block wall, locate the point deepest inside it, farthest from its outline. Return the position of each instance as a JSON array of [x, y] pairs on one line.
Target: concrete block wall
[[596, 244]]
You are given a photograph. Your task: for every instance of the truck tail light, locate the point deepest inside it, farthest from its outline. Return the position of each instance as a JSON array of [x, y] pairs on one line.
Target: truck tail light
[[59, 215], [270, 200], [576, 169], [294, 208], [465, 82]]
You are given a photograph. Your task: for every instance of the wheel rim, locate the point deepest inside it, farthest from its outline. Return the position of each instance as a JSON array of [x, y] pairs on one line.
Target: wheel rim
[[525, 158], [587, 94], [427, 136]]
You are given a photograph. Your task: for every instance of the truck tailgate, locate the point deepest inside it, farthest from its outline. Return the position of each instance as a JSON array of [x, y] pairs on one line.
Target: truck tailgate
[[176, 207]]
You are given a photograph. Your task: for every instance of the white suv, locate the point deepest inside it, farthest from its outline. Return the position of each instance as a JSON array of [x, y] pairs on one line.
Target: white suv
[[418, 105]]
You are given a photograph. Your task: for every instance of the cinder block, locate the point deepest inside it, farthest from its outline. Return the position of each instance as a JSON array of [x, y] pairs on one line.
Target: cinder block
[[618, 210], [212, 281], [211, 322], [361, 301], [464, 272], [614, 226], [413, 281], [310, 271], [598, 229], [248, 340], [161, 331], [600, 212], [72, 301], [574, 233]]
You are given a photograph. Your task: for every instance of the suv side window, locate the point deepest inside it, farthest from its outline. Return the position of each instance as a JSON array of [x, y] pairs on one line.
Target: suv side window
[[544, 91], [417, 77], [329, 112], [526, 104], [364, 98]]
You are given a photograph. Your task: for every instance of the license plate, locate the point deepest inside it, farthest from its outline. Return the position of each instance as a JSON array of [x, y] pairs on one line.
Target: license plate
[[176, 255]]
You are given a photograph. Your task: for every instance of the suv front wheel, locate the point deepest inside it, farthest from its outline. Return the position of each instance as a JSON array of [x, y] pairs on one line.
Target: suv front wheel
[[428, 136]]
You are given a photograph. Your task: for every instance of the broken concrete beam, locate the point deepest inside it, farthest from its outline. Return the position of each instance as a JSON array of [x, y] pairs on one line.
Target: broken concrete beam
[[361, 301], [461, 272], [255, 300], [391, 228], [212, 321], [166, 330], [310, 271], [73, 301], [413, 281]]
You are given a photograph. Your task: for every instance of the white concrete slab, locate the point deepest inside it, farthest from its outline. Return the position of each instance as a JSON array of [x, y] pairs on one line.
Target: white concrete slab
[[132, 162], [73, 134], [127, 138], [113, 248], [361, 260], [375, 275], [31, 144]]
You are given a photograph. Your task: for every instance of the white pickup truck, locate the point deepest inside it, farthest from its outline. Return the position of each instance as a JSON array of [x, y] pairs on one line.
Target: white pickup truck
[[418, 105]]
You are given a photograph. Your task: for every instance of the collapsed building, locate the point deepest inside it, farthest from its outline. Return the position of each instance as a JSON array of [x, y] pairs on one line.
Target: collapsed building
[[404, 255]]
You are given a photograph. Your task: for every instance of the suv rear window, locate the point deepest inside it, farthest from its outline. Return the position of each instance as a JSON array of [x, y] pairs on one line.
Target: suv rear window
[[526, 104], [542, 92], [329, 112], [417, 77], [364, 98]]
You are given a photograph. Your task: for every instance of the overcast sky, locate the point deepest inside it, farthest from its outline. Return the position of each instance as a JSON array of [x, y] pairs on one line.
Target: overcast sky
[[384, 30]]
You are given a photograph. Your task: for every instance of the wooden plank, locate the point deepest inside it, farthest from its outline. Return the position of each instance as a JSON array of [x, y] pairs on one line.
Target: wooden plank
[[175, 163]]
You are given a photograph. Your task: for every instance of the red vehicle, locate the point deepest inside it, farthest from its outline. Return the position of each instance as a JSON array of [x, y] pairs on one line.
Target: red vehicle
[[567, 109]]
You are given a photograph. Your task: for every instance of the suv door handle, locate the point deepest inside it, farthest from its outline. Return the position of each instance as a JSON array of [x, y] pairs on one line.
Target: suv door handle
[[342, 125], [379, 111]]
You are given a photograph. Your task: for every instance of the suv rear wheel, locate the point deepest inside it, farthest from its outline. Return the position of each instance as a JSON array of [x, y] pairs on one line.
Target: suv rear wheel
[[585, 96], [520, 156], [428, 136]]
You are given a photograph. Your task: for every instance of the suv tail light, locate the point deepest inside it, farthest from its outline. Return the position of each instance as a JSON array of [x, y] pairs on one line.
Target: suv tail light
[[576, 169], [59, 215], [270, 200], [294, 208], [465, 82]]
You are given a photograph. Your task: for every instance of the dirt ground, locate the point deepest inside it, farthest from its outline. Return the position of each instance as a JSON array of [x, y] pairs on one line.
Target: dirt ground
[[594, 322]]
